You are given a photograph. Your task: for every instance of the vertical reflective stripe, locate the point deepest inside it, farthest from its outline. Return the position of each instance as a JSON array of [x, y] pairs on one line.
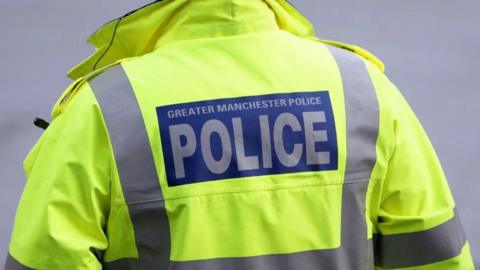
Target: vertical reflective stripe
[[362, 120], [136, 167], [419, 248], [128, 136], [12, 264], [362, 115]]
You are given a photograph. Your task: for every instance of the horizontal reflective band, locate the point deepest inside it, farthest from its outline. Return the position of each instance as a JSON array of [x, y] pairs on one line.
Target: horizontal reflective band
[[308, 260], [419, 248], [13, 264], [122, 264]]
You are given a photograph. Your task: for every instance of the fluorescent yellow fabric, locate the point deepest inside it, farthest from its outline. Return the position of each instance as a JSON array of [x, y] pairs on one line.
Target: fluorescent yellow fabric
[[73, 187], [64, 207], [412, 194], [142, 30], [72, 198], [355, 49]]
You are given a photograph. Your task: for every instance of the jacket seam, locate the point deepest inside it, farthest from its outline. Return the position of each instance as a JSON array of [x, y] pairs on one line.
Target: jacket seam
[[238, 192]]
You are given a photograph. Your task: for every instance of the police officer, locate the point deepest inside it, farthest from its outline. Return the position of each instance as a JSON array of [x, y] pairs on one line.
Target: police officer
[[220, 134]]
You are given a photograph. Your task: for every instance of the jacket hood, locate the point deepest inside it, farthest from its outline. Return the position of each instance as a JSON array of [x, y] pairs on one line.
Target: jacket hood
[[143, 30]]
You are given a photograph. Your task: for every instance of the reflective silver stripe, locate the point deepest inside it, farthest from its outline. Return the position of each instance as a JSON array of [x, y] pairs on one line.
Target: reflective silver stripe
[[356, 251], [414, 249], [122, 264], [362, 116], [331, 259], [128, 136], [136, 167], [13, 264], [362, 112]]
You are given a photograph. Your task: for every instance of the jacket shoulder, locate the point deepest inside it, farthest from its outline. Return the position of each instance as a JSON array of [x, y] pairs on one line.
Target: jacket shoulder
[[357, 50], [70, 93]]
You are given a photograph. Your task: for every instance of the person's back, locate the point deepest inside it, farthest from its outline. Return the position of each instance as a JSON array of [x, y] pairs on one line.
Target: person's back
[[238, 141]]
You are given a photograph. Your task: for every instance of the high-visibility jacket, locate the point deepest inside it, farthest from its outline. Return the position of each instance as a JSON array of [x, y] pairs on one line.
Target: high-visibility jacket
[[219, 135]]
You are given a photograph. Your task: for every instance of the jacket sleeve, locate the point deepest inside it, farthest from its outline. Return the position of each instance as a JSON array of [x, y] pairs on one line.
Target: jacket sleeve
[[62, 213], [417, 224]]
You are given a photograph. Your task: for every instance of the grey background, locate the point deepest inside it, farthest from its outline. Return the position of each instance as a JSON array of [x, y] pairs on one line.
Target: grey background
[[430, 47]]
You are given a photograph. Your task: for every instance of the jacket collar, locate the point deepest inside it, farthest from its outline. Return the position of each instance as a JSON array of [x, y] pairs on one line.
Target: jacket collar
[[150, 27]]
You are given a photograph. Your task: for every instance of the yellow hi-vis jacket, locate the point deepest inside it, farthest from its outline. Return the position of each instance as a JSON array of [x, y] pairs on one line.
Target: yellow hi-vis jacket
[[222, 135]]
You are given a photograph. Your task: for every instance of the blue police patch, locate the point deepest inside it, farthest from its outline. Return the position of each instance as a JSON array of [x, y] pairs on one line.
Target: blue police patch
[[248, 136]]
